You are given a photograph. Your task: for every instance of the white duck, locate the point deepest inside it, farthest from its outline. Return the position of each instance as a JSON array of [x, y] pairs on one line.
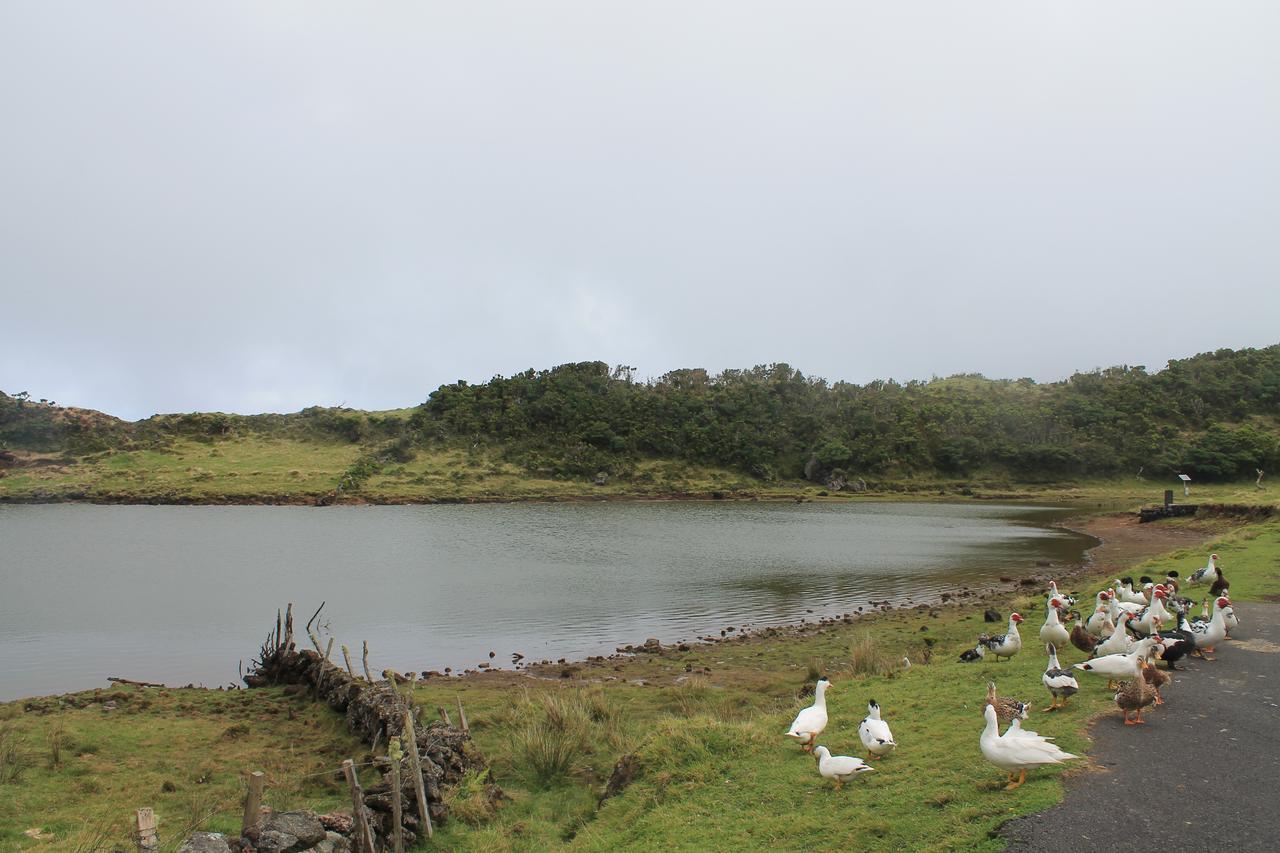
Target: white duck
[[810, 722], [1116, 608], [1209, 634], [1118, 667], [1017, 752], [1156, 613], [839, 768], [1053, 630], [1118, 643], [1229, 617], [1207, 573], [1005, 645], [1064, 601], [875, 733], [1015, 727], [1101, 615], [1124, 592], [1060, 682]]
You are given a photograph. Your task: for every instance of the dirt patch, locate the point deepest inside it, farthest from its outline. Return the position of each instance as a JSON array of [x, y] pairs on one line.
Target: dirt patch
[[1124, 541]]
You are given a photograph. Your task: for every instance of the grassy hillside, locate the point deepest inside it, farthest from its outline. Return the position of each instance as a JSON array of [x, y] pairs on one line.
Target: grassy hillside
[[703, 725], [586, 430]]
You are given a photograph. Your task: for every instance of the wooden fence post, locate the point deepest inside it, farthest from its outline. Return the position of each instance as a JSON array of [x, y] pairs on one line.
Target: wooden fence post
[[415, 767], [328, 649], [147, 837], [363, 834], [444, 715], [397, 808], [253, 801], [462, 716], [346, 656], [365, 660], [288, 627]]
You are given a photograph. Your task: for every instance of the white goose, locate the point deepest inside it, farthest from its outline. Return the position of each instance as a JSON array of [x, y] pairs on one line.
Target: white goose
[[810, 722], [1017, 751], [839, 768], [875, 733]]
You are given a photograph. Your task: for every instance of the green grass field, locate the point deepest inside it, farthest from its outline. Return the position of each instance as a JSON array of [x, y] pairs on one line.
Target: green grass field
[[705, 726], [252, 467]]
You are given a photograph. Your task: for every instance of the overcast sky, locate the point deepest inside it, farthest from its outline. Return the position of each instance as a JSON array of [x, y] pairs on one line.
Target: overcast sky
[[262, 206]]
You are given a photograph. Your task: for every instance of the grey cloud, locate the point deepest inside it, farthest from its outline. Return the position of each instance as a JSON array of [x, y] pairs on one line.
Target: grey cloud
[[264, 206]]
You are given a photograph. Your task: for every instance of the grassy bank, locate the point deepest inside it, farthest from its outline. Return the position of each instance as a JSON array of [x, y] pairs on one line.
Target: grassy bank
[[704, 725], [73, 769], [261, 468], [717, 772]]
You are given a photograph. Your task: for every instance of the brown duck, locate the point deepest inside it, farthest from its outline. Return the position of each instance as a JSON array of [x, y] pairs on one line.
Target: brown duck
[[1007, 710], [1134, 695], [1081, 638], [1157, 678]]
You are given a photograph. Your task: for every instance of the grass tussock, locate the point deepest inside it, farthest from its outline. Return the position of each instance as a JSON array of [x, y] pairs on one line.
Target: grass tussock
[[868, 658], [14, 759]]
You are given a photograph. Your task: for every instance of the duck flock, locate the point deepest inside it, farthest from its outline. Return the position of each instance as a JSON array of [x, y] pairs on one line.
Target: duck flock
[[1130, 629]]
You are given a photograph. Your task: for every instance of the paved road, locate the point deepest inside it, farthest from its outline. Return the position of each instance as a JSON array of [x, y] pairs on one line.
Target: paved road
[[1204, 773]]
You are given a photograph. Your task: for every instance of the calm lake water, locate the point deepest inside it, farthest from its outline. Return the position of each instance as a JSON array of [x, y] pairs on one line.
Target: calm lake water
[[182, 594]]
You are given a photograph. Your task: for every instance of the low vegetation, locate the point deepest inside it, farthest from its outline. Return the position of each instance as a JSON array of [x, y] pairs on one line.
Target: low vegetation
[[588, 430], [703, 729]]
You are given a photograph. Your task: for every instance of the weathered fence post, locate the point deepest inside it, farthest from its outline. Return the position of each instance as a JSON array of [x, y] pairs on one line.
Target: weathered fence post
[[363, 833], [253, 801], [365, 660], [147, 837], [346, 656], [444, 715], [462, 716], [288, 627], [397, 808], [415, 767], [328, 649]]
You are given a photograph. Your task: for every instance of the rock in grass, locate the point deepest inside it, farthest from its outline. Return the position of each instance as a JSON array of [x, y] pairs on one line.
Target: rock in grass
[[205, 842]]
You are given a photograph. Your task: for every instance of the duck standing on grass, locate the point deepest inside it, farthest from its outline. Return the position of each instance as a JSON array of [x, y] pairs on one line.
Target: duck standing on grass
[[875, 733], [810, 722], [839, 768], [1002, 646], [1017, 751], [1080, 636], [1053, 630], [1060, 682], [1208, 572]]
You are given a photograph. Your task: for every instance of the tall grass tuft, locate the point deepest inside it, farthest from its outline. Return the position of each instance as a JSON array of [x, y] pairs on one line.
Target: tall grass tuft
[[548, 750], [14, 760], [58, 741], [555, 729], [867, 658]]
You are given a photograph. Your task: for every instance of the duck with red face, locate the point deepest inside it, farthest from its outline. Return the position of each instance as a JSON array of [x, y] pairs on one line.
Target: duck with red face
[[1007, 644]]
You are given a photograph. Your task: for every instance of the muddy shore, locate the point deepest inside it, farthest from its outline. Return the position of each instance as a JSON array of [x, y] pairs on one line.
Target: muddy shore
[[1121, 542]]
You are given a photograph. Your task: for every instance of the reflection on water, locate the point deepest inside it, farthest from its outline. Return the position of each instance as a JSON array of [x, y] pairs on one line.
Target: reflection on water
[[182, 594]]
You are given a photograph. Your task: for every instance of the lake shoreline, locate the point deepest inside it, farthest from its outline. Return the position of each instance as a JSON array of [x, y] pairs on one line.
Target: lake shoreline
[[1118, 540]]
